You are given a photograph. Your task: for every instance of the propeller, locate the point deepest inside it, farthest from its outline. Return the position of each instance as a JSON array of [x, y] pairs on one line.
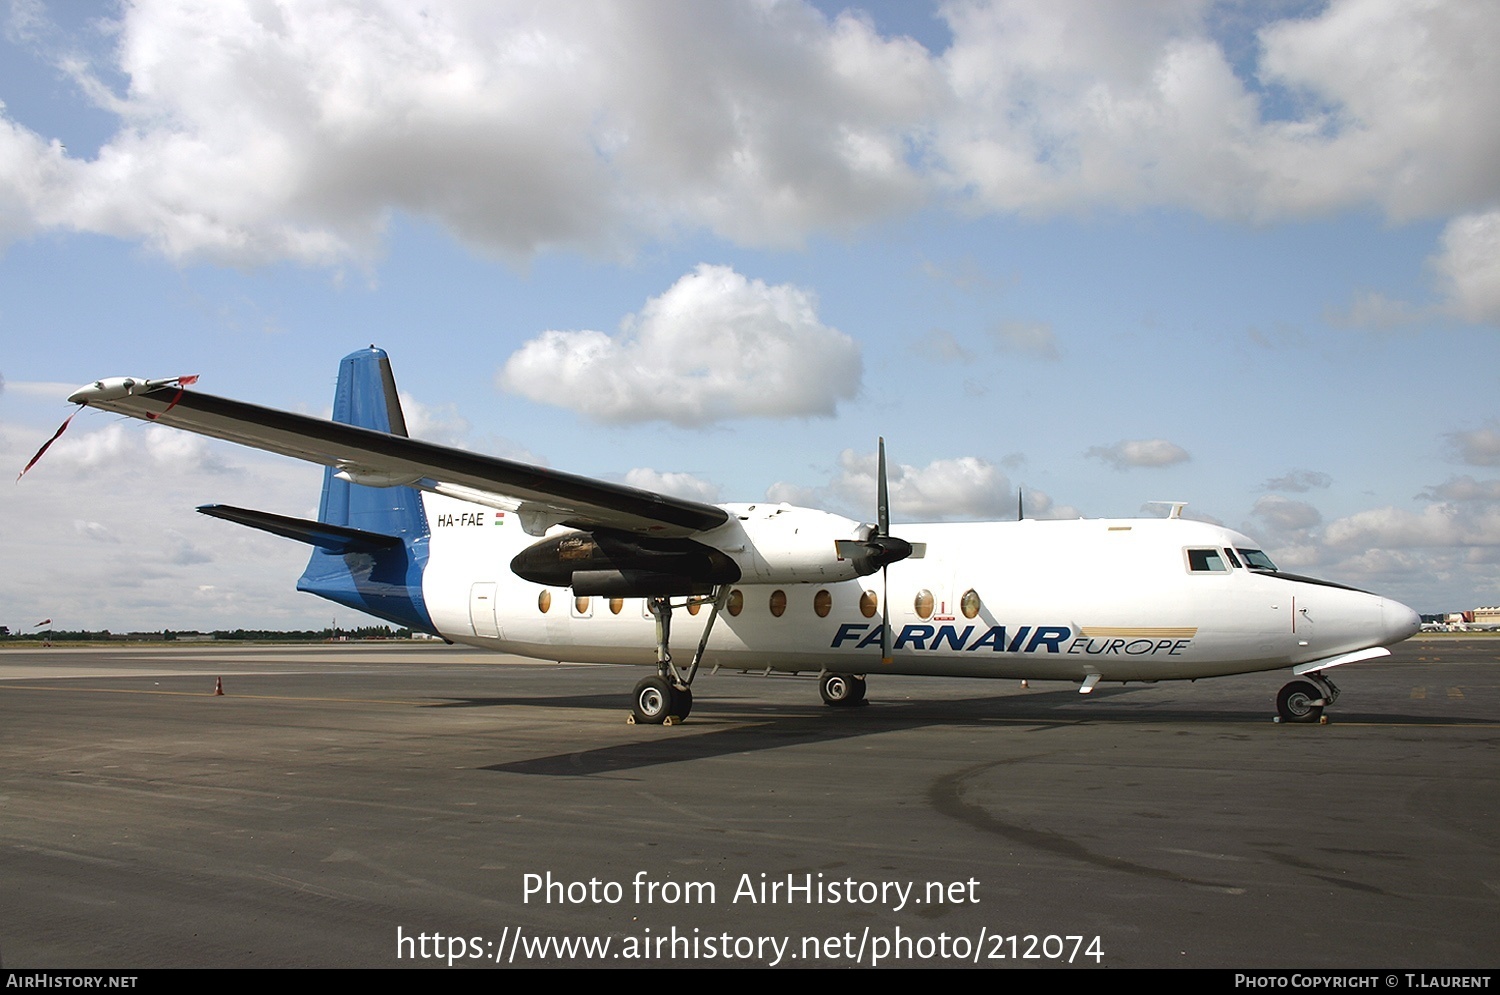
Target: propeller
[[878, 550]]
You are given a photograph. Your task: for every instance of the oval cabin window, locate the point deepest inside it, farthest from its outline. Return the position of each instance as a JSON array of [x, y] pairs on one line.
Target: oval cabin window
[[969, 603], [581, 605], [869, 604], [778, 603], [822, 603], [736, 601], [923, 604], [544, 602], [616, 605]]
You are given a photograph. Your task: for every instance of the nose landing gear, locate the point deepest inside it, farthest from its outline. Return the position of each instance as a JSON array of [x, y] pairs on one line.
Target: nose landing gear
[[1303, 700]]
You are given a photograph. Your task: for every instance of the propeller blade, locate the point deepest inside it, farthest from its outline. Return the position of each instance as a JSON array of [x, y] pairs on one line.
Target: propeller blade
[[883, 532], [885, 617]]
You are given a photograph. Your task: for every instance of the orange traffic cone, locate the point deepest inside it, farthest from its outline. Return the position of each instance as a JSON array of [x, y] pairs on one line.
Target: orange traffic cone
[[219, 686]]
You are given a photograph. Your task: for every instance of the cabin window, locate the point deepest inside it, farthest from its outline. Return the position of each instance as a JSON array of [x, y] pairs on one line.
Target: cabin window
[[694, 605], [869, 604], [822, 603], [923, 604], [1206, 561], [544, 601], [582, 606], [969, 603], [616, 605], [778, 603], [736, 601]]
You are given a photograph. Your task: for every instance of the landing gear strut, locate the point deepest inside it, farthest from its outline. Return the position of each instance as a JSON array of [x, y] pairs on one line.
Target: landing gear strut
[[667, 698], [1303, 700]]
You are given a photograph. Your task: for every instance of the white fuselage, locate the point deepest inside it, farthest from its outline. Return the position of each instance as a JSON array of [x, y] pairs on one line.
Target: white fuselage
[[1061, 600]]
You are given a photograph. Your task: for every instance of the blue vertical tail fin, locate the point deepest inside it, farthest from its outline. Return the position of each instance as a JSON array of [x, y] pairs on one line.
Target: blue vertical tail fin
[[386, 583], [366, 397]]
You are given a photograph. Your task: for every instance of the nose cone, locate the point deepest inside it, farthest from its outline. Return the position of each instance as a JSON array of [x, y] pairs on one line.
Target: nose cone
[[1399, 622]]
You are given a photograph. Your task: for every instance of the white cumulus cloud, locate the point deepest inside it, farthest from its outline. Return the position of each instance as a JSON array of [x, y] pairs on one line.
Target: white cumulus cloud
[[964, 487], [683, 485], [255, 132], [252, 132], [1299, 481], [1480, 447], [1468, 267], [1284, 515], [1139, 452], [440, 423], [714, 346], [1435, 525], [1067, 103], [1464, 488]]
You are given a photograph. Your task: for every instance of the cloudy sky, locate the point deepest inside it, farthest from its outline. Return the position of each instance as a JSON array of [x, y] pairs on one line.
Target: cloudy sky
[[1245, 255]]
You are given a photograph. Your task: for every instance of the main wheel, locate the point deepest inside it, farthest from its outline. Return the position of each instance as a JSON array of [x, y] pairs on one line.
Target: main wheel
[[1296, 701], [841, 690], [652, 702]]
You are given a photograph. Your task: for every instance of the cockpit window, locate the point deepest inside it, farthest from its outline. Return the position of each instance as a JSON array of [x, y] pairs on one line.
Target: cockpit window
[[1256, 560], [1234, 561], [1206, 560]]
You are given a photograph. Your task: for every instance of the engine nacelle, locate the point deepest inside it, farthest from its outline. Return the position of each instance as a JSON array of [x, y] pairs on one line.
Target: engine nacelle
[[782, 544], [760, 544], [622, 565]]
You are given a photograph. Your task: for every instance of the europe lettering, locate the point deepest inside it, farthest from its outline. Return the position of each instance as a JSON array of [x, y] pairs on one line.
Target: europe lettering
[[1000, 639]]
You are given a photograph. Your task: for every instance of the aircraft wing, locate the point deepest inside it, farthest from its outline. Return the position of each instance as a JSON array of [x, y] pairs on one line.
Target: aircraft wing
[[540, 497]]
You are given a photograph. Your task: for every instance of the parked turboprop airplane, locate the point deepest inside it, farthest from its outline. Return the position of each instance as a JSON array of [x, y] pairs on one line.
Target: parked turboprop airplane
[[526, 560]]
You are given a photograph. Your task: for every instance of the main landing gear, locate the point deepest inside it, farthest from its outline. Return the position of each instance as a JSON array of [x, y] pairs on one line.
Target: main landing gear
[[842, 690], [667, 698], [1303, 700], [659, 701]]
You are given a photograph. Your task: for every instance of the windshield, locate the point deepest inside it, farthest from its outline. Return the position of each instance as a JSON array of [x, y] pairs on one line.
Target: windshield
[[1256, 560]]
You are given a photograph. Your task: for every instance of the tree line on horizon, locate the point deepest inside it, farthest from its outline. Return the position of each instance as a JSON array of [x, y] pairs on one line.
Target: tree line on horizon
[[195, 635]]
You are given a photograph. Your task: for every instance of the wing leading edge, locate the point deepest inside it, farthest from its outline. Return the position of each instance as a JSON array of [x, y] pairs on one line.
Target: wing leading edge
[[541, 498]]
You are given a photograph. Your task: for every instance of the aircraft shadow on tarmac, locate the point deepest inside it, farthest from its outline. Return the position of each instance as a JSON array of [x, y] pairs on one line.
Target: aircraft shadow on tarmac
[[757, 727]]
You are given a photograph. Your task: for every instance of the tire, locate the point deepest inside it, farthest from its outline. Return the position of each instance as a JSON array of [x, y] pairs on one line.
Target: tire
[[1295, 702], [652, 702], [682, 702], [841, 690]]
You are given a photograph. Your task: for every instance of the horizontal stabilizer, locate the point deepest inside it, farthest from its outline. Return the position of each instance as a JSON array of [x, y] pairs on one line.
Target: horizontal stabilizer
[[334, 538]]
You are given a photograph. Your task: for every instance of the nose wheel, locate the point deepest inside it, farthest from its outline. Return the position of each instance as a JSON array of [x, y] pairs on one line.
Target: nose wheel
[[1304, 700]]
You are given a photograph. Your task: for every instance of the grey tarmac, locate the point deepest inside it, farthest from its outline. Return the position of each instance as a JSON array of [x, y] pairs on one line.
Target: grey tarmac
[[337, 798]]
